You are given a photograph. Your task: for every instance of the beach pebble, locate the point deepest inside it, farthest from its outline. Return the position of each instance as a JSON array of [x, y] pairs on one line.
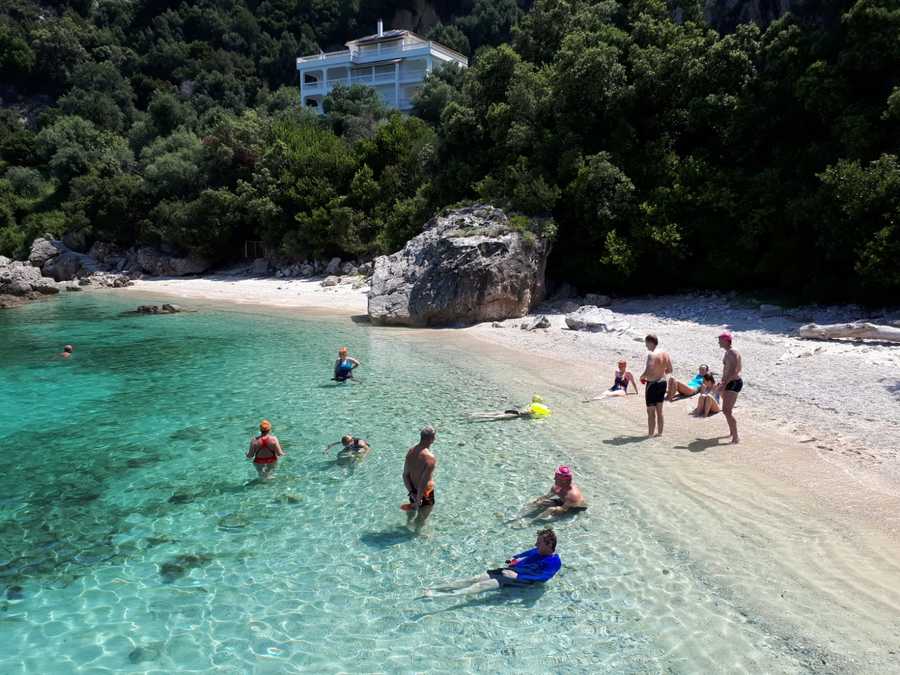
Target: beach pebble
[[535, 322]]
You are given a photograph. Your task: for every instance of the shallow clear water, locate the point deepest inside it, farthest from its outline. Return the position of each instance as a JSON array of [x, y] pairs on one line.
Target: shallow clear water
[[133, 538]]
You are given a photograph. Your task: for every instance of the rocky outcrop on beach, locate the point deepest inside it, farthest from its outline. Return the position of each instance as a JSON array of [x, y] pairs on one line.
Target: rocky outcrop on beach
[[20, 281], [57, 260], [467, 266]]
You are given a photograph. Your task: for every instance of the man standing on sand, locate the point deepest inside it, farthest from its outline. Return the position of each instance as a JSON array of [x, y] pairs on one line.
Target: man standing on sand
[[731, 383], [418, 470], [655, 379]]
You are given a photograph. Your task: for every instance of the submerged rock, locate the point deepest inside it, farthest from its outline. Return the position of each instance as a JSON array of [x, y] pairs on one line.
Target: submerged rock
[[181, 565], [470, 265]]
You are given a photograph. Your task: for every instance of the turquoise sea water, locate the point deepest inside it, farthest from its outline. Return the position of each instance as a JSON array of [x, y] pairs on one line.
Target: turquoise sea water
[[133, 538]]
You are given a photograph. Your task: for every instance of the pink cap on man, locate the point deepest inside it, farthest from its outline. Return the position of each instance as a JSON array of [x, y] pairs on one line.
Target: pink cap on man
[[726, 336]]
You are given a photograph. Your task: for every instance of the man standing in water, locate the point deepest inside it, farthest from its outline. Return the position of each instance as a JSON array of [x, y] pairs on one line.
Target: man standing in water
[[655, 379], [418, 470], [731, 384]]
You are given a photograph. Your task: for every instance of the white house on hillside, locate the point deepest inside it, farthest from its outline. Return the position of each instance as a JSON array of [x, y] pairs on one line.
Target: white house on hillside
[[393, 62]]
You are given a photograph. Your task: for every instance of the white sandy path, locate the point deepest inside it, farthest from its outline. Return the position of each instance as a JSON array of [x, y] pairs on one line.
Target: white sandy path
[[288, 293]]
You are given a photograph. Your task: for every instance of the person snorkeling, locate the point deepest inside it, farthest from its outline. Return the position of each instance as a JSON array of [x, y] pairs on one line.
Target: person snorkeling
[[352, 450], [536, 409], [344, 366], [265, 451]]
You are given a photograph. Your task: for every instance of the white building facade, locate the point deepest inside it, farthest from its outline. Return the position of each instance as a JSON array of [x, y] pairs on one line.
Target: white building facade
[[394, 63]]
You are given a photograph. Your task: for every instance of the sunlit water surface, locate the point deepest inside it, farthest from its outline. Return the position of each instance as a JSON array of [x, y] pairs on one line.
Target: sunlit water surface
[[134, 539]]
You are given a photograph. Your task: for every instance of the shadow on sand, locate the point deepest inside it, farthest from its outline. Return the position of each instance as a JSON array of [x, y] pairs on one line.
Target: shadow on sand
[[624, 440], [388, 538], [702, 444]]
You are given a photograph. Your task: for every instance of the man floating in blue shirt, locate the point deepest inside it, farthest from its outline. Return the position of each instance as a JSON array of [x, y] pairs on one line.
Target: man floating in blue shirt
[[534, 566]]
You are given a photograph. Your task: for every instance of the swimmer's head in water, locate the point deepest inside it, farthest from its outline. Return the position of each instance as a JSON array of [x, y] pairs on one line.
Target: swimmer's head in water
[[68, 349], [536, 399], [342, 351], [563, 473], [265, 426], [546, 538], [427, 434], [346, 440]]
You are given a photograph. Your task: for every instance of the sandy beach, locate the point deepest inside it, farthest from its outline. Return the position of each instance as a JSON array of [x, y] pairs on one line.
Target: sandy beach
[[342, 299], [798, 527]]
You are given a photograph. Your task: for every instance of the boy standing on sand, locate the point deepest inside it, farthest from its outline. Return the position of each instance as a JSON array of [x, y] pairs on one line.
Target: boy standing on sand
[[731, 383], [655, 379]]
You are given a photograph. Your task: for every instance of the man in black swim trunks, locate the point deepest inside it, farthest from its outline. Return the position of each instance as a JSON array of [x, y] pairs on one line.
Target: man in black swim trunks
[[655, 379], [731, 383]]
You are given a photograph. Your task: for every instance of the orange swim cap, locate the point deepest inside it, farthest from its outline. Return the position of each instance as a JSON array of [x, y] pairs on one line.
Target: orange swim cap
[[265, 425]]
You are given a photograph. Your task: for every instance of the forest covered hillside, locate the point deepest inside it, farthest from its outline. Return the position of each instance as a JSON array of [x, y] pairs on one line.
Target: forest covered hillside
[[668, 152]]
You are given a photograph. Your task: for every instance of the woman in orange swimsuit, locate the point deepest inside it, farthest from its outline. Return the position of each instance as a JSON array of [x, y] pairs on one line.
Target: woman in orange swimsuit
[[265, 451]]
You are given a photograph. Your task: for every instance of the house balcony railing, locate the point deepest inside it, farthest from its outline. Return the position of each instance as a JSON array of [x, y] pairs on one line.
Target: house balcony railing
[[378, 52]]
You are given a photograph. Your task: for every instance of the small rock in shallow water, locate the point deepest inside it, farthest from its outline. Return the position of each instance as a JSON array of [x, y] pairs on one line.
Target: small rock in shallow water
[[15, 593]]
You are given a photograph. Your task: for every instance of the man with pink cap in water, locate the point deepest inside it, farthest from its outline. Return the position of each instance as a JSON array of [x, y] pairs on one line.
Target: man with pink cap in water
[[731, 383], [564, 496]]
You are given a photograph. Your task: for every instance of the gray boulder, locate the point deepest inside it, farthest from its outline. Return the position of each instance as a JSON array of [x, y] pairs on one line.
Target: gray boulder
[[68, 265], [467, 266], [22, 279], [260, 267], [333, 267], [365, 269], [76, 241], [535, 322], [596, 320], [331, 281], [43, 249], [307, 270], [150, 260]]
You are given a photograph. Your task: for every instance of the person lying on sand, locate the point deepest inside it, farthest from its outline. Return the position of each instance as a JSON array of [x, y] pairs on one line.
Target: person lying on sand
[[534, 566], [686, 389], [535, 410], [353, 450], [621, 380], [708, 401], [343, 367]]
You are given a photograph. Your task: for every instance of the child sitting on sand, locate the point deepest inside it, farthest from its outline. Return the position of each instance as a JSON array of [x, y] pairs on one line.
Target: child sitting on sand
[[708, 401]]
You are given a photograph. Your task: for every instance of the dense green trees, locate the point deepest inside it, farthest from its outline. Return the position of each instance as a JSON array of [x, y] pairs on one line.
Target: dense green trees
[[667, 154]]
